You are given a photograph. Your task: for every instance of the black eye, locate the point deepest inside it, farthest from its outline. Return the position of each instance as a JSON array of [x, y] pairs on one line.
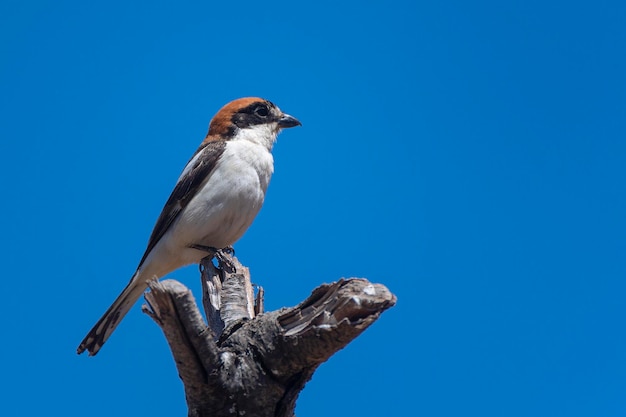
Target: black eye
[[261, 111]]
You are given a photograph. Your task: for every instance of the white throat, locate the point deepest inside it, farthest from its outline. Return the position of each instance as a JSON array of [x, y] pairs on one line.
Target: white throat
[[263, 134]]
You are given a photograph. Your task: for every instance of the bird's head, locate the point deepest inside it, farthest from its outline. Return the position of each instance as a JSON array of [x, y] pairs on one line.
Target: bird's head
[[251, 118]]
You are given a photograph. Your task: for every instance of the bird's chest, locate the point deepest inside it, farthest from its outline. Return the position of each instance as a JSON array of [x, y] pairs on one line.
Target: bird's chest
[[231, 198], [246, 168], [239, 181]]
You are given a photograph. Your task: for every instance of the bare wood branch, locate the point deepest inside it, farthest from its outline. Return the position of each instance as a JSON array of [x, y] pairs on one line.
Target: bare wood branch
[[172, 306], [237, 295], [257, 364], [259, 301], [211, 299]]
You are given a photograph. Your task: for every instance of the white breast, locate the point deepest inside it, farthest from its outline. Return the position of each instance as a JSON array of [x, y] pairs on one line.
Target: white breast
[[221, 211], [226, 205]]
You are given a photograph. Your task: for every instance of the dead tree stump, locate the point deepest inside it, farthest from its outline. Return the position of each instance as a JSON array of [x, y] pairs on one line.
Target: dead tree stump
[[247, 362]]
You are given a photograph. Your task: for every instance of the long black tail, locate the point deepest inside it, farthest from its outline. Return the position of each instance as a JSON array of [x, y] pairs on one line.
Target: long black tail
[[99, 334]]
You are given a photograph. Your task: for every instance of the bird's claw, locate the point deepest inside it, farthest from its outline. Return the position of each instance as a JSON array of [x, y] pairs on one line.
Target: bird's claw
[[222, 255], [224, 261]]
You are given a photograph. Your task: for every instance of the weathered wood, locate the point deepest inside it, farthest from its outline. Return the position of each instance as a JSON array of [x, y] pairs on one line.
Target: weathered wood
[[236, 295], [172, 306], [211, 299], [256, 364], [259, 301]]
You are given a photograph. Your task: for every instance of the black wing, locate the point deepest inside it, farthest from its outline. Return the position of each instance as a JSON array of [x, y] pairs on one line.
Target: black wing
[[185, 190]]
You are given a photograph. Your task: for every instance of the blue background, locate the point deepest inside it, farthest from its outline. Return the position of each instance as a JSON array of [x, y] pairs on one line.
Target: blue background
[[469, 155]]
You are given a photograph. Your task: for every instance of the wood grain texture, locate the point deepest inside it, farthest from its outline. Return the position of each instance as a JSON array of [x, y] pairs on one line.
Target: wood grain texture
[[244, 363]]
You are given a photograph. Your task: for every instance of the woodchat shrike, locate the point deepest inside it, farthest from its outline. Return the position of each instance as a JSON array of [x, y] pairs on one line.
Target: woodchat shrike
[[215, 200]]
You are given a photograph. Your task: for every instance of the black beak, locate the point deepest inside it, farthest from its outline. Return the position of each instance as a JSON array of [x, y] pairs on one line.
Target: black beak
[[288, 121]]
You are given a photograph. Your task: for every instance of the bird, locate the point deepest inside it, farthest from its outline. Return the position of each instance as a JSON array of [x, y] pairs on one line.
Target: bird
[[215, 200]]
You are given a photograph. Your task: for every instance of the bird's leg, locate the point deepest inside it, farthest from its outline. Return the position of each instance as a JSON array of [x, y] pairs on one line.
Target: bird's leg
[[222, 255], [208, 249]]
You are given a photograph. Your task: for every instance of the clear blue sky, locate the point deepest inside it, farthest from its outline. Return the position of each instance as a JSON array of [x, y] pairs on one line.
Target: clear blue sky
[[469, 155]]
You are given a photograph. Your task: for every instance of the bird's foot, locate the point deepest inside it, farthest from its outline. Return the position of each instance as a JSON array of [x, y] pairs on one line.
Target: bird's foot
[[222, 255], [224, 260]]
